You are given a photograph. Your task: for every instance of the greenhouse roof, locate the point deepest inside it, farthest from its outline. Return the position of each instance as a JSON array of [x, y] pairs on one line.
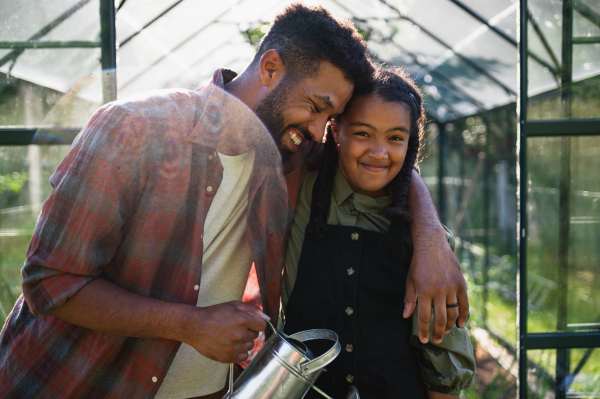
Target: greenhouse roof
[[462, 52]]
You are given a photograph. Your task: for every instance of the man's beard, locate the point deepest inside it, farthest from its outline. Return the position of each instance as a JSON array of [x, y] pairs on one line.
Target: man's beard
[[270, 111]]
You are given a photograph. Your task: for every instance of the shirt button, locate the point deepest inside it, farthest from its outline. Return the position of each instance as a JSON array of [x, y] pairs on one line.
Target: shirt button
[[209, 188], [210, 157], [349, 310], [349, 348], [196, 287], [154, 379], [354, 236], [350, 378], [350, 271]]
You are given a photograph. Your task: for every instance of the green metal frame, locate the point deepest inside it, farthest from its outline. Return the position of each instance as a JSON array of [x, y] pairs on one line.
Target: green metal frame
[[561, 341]]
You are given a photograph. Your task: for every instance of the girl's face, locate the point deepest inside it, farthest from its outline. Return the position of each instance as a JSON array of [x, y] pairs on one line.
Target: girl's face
[[372, 140]]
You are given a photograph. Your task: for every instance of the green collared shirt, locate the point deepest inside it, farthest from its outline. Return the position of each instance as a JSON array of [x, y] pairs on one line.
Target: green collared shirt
[[447, 367]]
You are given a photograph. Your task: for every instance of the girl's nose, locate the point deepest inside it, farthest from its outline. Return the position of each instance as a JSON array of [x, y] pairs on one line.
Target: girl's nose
[[378, 150]]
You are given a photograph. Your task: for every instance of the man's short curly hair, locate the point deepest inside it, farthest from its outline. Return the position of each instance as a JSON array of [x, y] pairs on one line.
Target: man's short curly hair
[[307, 36]]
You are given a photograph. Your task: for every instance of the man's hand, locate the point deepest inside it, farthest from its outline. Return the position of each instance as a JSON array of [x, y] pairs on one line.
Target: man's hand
[[227, 331], [435, 277]]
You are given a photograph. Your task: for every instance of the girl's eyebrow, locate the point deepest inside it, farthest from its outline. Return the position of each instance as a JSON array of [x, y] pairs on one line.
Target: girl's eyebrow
[[362, 124], [400, 128]]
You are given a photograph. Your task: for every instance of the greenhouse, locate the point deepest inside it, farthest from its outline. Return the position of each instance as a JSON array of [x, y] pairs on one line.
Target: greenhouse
[[511, 153]]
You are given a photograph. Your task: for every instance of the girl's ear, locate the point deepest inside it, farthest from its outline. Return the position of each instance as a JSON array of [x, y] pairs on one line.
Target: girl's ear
[[335, 130]]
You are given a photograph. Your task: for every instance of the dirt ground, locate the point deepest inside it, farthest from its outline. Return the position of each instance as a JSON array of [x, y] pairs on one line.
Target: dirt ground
[[491, 380]]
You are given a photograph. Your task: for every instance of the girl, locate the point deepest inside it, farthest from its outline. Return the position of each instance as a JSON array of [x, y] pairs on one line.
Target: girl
[[350, 248]]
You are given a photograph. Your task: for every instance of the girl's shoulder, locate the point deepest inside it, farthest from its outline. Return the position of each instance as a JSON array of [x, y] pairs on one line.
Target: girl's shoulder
[[307, 182]]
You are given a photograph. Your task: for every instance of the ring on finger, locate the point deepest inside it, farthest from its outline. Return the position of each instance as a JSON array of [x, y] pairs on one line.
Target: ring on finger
[[452, 305]]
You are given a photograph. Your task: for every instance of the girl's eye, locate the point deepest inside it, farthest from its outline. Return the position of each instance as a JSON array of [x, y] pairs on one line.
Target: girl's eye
[[396, 138], [362, 134]]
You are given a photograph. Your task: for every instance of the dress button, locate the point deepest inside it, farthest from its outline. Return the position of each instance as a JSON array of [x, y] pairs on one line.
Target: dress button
[[354, 236], [349, 348], [349, 310], [350, 271], [196, 287], [154, 379], [209, 189], [350, 378]]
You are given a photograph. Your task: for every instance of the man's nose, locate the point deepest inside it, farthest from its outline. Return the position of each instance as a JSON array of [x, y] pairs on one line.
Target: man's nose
[[317, 127]]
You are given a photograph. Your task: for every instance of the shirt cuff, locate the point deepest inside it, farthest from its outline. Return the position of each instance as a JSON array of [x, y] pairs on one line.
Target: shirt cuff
[[45, 289]]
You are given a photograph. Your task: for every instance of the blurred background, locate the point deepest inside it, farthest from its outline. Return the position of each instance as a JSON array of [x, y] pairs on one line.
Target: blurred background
[[511, 154]]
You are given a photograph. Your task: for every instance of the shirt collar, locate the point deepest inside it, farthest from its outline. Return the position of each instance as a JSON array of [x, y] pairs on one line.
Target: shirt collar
[[363, 203], [221, 110]]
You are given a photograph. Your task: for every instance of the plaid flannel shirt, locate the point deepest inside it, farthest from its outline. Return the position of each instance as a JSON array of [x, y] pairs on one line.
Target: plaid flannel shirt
[[128, 205]]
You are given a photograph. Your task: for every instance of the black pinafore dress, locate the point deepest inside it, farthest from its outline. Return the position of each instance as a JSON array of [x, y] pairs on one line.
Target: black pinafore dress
[[354, 284]]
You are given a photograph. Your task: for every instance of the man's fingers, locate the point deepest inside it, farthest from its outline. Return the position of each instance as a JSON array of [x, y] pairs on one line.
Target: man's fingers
[[463, 306], [240, 357], [256, 323], [451, 313], [424, 319], [439, 319], [248, 308], [410, 298]]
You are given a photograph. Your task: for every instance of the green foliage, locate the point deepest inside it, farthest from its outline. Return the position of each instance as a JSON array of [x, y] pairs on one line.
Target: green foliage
[[255, 35], [11, 186]]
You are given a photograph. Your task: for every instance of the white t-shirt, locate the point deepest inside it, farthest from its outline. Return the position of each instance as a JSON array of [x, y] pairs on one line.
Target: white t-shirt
[[226, 263]]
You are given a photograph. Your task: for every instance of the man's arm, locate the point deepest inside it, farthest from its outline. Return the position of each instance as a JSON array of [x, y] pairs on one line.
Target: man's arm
[[223, 332], [434, 277]]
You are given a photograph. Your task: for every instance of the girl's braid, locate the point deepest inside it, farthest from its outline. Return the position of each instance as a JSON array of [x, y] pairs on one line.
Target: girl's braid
[[318, 225]]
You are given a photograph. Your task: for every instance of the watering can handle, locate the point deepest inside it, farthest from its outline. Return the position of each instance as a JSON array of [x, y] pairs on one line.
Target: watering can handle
[[231, 364], [231, 379], [318, 363]]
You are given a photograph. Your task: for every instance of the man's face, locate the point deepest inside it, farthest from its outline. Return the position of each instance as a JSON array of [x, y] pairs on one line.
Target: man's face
[[297, 111]]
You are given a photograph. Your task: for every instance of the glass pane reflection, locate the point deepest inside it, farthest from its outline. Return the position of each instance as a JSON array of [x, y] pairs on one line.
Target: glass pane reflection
[[578, 373], [563, 295]]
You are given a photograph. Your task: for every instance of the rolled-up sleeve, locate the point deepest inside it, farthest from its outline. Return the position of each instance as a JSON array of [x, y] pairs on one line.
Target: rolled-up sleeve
[[447, 367], [80, 226]]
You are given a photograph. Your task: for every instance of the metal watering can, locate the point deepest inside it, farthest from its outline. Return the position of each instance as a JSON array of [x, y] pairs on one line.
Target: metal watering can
[[285, 368]]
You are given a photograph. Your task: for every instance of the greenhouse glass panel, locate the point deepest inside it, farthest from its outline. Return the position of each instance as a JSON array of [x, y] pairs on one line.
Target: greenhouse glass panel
[[550, 97], [24, 184], [479, 201], [434, 15], [475, 84], [564, 230], [579, 376], [429, 159], [33, 80], [490, 9]]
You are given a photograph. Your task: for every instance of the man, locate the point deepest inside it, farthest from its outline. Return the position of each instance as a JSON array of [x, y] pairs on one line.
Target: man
[[160, 209]]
